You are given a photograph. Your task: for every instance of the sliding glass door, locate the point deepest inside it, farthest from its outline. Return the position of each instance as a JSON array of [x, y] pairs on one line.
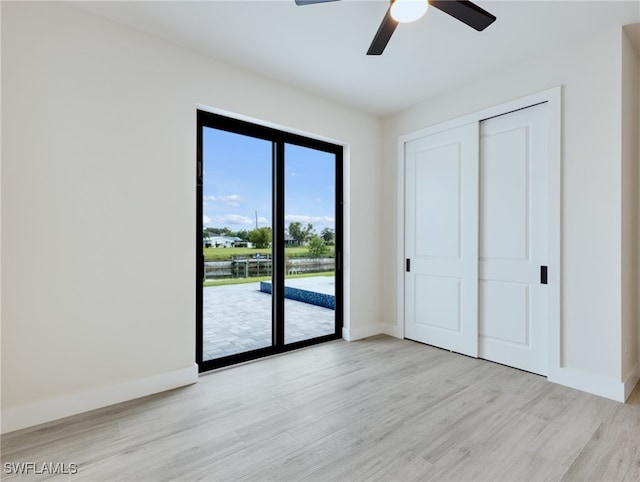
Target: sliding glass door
[[310, 276], [269, 236], [236, 204]]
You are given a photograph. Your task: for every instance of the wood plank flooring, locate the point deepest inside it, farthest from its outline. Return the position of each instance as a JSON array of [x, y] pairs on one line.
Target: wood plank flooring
[[377, 409], [634, 398]]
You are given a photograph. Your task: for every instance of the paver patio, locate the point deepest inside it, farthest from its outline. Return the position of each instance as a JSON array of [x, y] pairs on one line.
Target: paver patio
[[237, 318]]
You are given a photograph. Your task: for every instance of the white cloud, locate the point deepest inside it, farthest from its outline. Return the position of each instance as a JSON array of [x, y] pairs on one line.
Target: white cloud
[[206, 219], [234, 219], [300, 218], [232, 200]]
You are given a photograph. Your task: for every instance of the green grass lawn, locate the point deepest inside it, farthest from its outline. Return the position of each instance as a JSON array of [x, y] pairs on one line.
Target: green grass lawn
[[239, 281], [225, 254]]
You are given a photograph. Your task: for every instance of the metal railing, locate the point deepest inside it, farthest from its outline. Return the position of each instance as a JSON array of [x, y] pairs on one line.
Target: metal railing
[[245, 267]]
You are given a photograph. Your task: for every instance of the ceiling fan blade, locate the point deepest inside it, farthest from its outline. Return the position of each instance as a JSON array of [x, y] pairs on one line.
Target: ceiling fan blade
[[465, 11], [311, 2], [381, 39]]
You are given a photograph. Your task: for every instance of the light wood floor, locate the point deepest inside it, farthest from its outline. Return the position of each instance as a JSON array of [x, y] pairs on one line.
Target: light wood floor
[[377, 409], [634, 398]]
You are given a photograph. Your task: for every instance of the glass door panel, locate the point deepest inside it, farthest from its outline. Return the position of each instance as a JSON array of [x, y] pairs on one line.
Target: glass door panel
[[309, 243], [236, 243], [269, 241]]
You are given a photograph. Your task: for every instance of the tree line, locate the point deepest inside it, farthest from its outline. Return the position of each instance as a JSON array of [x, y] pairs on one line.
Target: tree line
[[299, 233]]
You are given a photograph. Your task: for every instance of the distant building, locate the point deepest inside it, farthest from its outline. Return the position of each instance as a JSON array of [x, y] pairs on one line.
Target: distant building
[[225, 241], [289, 241]]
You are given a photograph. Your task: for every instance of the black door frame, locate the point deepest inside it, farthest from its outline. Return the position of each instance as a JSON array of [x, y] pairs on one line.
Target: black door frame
[[279, 139]]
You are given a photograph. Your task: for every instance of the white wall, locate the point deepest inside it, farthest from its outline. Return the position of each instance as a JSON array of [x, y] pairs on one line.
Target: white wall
[[638, 147], [589, 72], [630, 125], [99, 157]]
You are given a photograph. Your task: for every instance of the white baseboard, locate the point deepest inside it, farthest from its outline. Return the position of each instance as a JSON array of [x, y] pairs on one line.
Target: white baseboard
[[370, 330], [48, 410], [589, 382]]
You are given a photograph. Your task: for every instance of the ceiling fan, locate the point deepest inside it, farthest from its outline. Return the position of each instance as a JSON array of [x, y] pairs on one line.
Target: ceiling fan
[[403, 11]]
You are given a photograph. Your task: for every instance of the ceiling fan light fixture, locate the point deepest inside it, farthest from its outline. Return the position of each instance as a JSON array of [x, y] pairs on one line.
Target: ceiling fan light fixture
[[405, 11]]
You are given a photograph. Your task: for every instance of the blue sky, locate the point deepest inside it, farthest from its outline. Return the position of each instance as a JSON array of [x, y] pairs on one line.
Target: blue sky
[[237, 183]]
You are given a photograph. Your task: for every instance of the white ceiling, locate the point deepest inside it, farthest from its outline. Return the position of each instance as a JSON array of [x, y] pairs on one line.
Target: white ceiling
[[321, 48]]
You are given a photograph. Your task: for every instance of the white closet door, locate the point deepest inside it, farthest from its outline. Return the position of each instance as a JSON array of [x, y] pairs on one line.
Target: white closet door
[[513, 239], [441, 239]]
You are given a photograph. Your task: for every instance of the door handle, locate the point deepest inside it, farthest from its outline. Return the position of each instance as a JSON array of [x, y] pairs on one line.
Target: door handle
[[408, 265], [543, 275]]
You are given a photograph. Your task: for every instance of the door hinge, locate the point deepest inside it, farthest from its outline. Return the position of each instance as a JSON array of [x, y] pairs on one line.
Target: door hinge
[[408, 265]]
